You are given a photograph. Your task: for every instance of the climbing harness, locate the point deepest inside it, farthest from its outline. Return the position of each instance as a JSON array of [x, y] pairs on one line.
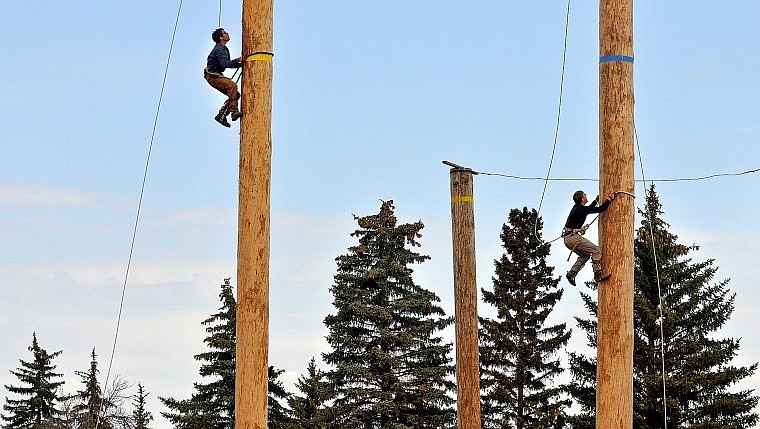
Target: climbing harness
[[580, 231], [206, 71]]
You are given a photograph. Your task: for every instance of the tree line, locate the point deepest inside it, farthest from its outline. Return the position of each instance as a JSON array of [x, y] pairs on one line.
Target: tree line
[[389, 366], [43, 404]]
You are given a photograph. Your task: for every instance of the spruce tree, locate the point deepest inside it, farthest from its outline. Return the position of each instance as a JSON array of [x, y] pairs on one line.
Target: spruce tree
[[212, 406], [39, 390], [310, 409], [278, 417], [141, 417], [92, 406], [391, 368], [518, 351], [698, 369]]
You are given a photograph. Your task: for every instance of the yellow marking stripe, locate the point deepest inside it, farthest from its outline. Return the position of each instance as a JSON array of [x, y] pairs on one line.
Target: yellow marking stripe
[[262, 56], [462, 199]]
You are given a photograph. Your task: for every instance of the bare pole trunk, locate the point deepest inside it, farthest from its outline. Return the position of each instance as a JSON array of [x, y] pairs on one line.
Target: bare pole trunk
[[614, 400], [465, 299], [251, 381]]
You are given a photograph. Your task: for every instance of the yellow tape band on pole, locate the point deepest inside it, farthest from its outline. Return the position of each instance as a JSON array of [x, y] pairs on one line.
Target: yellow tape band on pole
[[462, 199], [260, 56]]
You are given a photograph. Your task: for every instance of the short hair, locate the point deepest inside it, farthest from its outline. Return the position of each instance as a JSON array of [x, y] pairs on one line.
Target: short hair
[[578, 196], [216, 36]]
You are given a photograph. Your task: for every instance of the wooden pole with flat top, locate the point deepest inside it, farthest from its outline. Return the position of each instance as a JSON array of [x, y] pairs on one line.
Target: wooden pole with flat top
[[252, 351], [614, 377], [465, 298]]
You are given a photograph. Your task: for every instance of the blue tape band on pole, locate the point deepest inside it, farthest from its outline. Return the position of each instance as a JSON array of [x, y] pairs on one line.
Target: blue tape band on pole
[[615, 58]]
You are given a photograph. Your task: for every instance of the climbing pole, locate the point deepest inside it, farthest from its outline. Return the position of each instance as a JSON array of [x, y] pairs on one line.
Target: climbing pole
[[465, 297], [614, 375], [255, 165]]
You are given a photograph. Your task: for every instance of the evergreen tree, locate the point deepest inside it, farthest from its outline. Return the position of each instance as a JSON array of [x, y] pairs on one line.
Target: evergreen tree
[[39, 389], [310, 410], [698, 369], [518, 351], [141, 417], [94, 408], [278, 417], [391, 367], [212, 406], [90, 398]]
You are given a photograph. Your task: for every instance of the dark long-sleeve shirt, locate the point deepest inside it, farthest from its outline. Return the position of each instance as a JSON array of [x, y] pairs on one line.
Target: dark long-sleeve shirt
[[219, 59], [578, 213]]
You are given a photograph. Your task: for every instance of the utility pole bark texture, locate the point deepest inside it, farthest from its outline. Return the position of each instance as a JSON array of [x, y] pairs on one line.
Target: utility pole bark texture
[[252, 350], [465, 299], [614, 400]]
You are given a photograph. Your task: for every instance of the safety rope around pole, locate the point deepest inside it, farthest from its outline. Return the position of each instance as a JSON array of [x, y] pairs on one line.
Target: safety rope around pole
[[137, 219], [659, 289], [559, 115]]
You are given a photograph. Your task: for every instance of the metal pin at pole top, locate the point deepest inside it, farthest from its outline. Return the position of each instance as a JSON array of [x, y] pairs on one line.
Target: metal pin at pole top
[[459, 167]]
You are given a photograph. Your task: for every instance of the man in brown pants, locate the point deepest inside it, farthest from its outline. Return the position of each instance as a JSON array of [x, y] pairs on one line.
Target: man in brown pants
[[219, 60], [574, 240]]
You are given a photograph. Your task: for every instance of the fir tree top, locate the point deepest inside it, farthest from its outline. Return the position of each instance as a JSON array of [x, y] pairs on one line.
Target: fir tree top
[[38, 389], [390, 365]]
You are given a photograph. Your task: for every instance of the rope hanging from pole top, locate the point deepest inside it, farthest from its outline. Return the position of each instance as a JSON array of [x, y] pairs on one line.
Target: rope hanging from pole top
[[559, 116]]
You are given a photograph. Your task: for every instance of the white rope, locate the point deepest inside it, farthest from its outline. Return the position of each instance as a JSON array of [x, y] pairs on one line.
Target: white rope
[[556, 128], [659, 289]]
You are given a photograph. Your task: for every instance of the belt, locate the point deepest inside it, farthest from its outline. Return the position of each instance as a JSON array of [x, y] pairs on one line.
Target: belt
[[206, 71], [568, 231]]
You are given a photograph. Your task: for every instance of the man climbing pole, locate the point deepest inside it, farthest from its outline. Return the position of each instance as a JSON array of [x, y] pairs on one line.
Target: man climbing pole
[[218, 61], [574, 240]]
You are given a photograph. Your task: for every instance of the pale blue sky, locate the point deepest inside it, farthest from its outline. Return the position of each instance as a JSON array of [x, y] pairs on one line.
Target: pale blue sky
[[369, 98]]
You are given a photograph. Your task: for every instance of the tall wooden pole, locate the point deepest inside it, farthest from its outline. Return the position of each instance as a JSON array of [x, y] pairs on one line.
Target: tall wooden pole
[[465, 299], [614, 390], [252, 351]]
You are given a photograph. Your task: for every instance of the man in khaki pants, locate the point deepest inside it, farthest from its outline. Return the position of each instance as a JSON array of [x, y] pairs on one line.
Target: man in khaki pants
[[219, 60], [574, 240]]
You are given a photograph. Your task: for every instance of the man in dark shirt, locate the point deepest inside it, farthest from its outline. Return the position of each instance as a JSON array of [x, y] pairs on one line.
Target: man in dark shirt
[[219, 60], [574, 240]]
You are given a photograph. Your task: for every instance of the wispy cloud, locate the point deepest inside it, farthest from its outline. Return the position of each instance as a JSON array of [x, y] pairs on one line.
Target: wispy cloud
[[25, 195], [308, 226], [197, 217], [707, 72]]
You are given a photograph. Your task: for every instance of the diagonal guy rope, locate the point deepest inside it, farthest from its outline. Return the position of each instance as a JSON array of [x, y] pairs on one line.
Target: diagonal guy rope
[[137, 217]]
